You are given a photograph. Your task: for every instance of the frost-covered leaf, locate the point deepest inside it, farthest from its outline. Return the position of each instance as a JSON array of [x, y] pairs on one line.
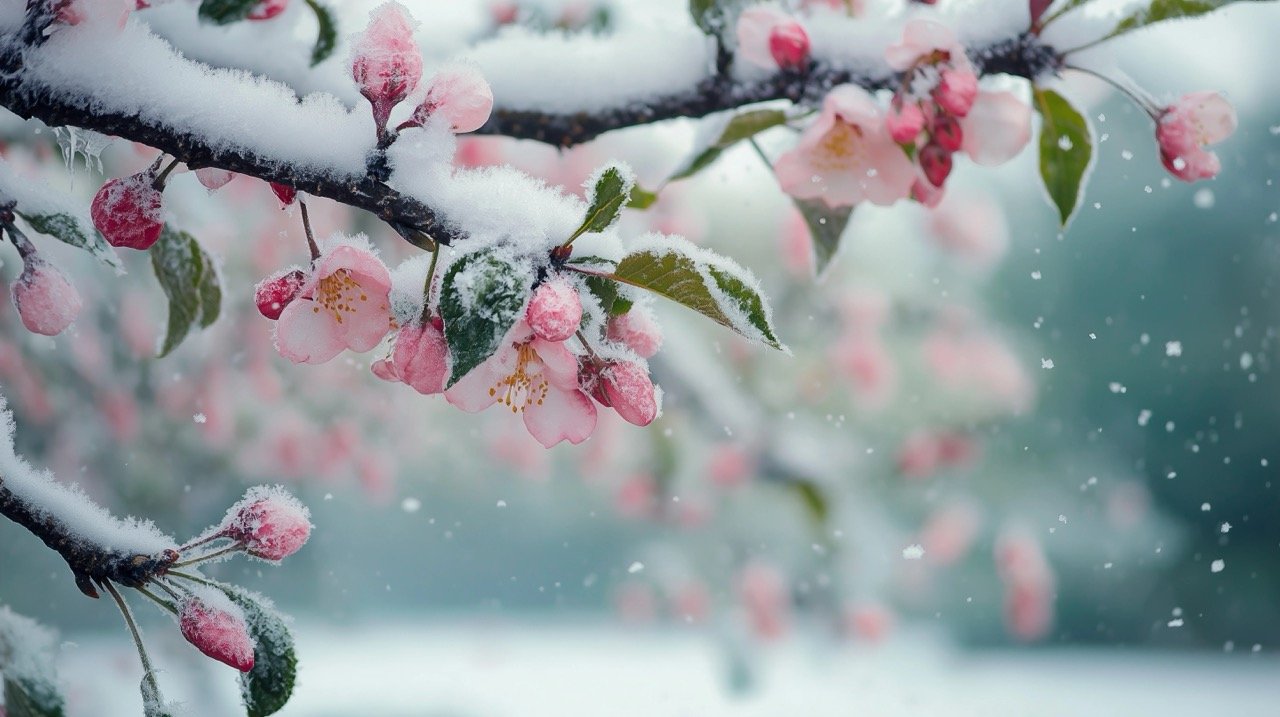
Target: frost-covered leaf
[[153, 704], [26, 661], [326, 36], [744, 125], [606, 291], [480, 299], [826, 225], [1162, 10], [224, 12], [610, 191], [267, 687], [1066, 151], [68, 230], [703, 281], [190, 281], [641, 198]]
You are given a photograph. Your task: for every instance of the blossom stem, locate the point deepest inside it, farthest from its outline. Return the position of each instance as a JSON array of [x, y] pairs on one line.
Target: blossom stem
[[192, 578], [200, 541], [149, 673], [158, 182], [1145, 103], [426, 286], [20, 240], [306, 226], [209, 556], [157, 600]]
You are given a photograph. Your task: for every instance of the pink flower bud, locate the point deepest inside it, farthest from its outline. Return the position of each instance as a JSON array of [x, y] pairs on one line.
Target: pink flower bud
[[904, 121], [45, 299], [128, 211], [217, 632], [213, 178], [630, 392], [420, 356], [276, 291], [947, 133], [789, 45], [1186, 127], [638, 331], [1037, 9], [270, 523], [956, 91], [267, 9], [554, 311], [387, 63], [75, 12], [935, 161], [286, 194], [504, 13], [460, 94]]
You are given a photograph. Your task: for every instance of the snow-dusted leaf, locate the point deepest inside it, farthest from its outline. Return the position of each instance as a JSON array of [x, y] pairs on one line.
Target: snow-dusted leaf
[[326, 35], [826, 225], [641, 198], [1162, 10], [703, 281], [267, 687], [1066, 151], [606, 291], [224, 12], [68, 230], [610, 191], [153, 703], [27, 663], [480, 299], [744, 125], [190, 281]]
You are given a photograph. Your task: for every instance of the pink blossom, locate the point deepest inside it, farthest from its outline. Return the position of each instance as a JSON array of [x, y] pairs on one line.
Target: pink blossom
[[846, 156], [267, 9], [554, 311], [972, 227], [925, 41], [904, 121], [387, 63], [691, 601], [996, 129], [418, 359], [343, 304], [46, 300], [460, 94], [764, 594], [864, 360], [869, 621], [629, 391], [949, 532], [789, 45], [534, 377], [217, 632], [270, 523], [213, 178], [770, 38], [637, 330], [1186, 127]]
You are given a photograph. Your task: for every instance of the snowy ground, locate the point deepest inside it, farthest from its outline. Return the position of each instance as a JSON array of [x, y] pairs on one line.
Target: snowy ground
[[503, 669]]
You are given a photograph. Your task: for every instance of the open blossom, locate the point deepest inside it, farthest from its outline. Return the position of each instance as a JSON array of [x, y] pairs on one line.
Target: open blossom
[[129, 211], [770, 38], [925, 42], [387, 64], [419, 358], [533, 377], [996, 129], [460, 94], [846, 156], [343, 304], [1187, 126], [217, 632], [270, 523], [46, 301]]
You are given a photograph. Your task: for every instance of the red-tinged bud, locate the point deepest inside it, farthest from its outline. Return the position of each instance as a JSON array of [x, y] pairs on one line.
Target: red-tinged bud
[[270, 523], [46, 301], [637, 330], [936, 163], [1037, 9], [128, 211], [267, 9], [956, 91], [387, 63], [554, 311], [947, 133], [217, 632], [277, 291], [629, 391], [904, 121], [789, 45], [419, 358], [284, 193]]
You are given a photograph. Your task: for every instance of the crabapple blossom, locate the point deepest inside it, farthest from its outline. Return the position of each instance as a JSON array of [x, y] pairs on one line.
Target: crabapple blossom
[[46, 300], [533, 377], [213, 178], [386, 63], [269, 523], [625, 386], [904, 120], [956, 91], [789, 45], [344, 303], [770, 38], [637, 330], [217, 632], [1186, 127], [275, 292], [554, 311], [460, 94], [846, 156], [128, 211], [925, 42], [419, 357]]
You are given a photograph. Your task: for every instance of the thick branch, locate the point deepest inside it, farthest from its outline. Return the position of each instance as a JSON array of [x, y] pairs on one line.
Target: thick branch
[[1022, 56]]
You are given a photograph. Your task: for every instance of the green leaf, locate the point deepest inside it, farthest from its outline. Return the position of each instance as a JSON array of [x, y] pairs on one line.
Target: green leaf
[[704, 14], [326, 36], [641, 198], [225, 12], [606, 291], [826, 225], [1066, 151], [1162, 10], [68, 230], [709, 284], [480, 299], [267, 687], [190, 281], [612, 190], [27, 663], [744, 125]]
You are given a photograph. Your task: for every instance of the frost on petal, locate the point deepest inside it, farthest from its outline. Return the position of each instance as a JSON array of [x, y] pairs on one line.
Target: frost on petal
[[216, 627], [270, 522], [305, 334], [477, 390], [561, 416]]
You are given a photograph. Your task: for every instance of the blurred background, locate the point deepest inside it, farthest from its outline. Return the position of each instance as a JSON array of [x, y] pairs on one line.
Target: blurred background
[[1000, 452]]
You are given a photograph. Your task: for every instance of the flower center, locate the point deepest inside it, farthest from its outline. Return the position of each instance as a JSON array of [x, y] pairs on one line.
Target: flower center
[[338, 293], [839, 148], [522, 388]]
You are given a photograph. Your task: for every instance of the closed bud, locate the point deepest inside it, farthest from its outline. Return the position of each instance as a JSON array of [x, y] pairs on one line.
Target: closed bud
[[637, 330], [267, 9], [218, 632], [630, 392], [270, 523], [46, 301], [904, 121], [947, 133], [956, 91], [936, 163], [286, 194], [789, 45], [554, 311], [387, 64], [276, 292], [460, 94], [128, 211]]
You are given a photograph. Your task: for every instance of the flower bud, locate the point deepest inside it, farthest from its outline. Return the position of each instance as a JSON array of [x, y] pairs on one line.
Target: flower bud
[[629, 391], [217, 632], [267, 9], [387, 64], [956, 91], [904, 121], [554, 311], [286, 194], [213, 178], [270, 523], [275, 292], [46, 301], [947, 133], [637, 330], [789, 45], [460, 94], [936, 163], [128, 211], [420, 356]]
